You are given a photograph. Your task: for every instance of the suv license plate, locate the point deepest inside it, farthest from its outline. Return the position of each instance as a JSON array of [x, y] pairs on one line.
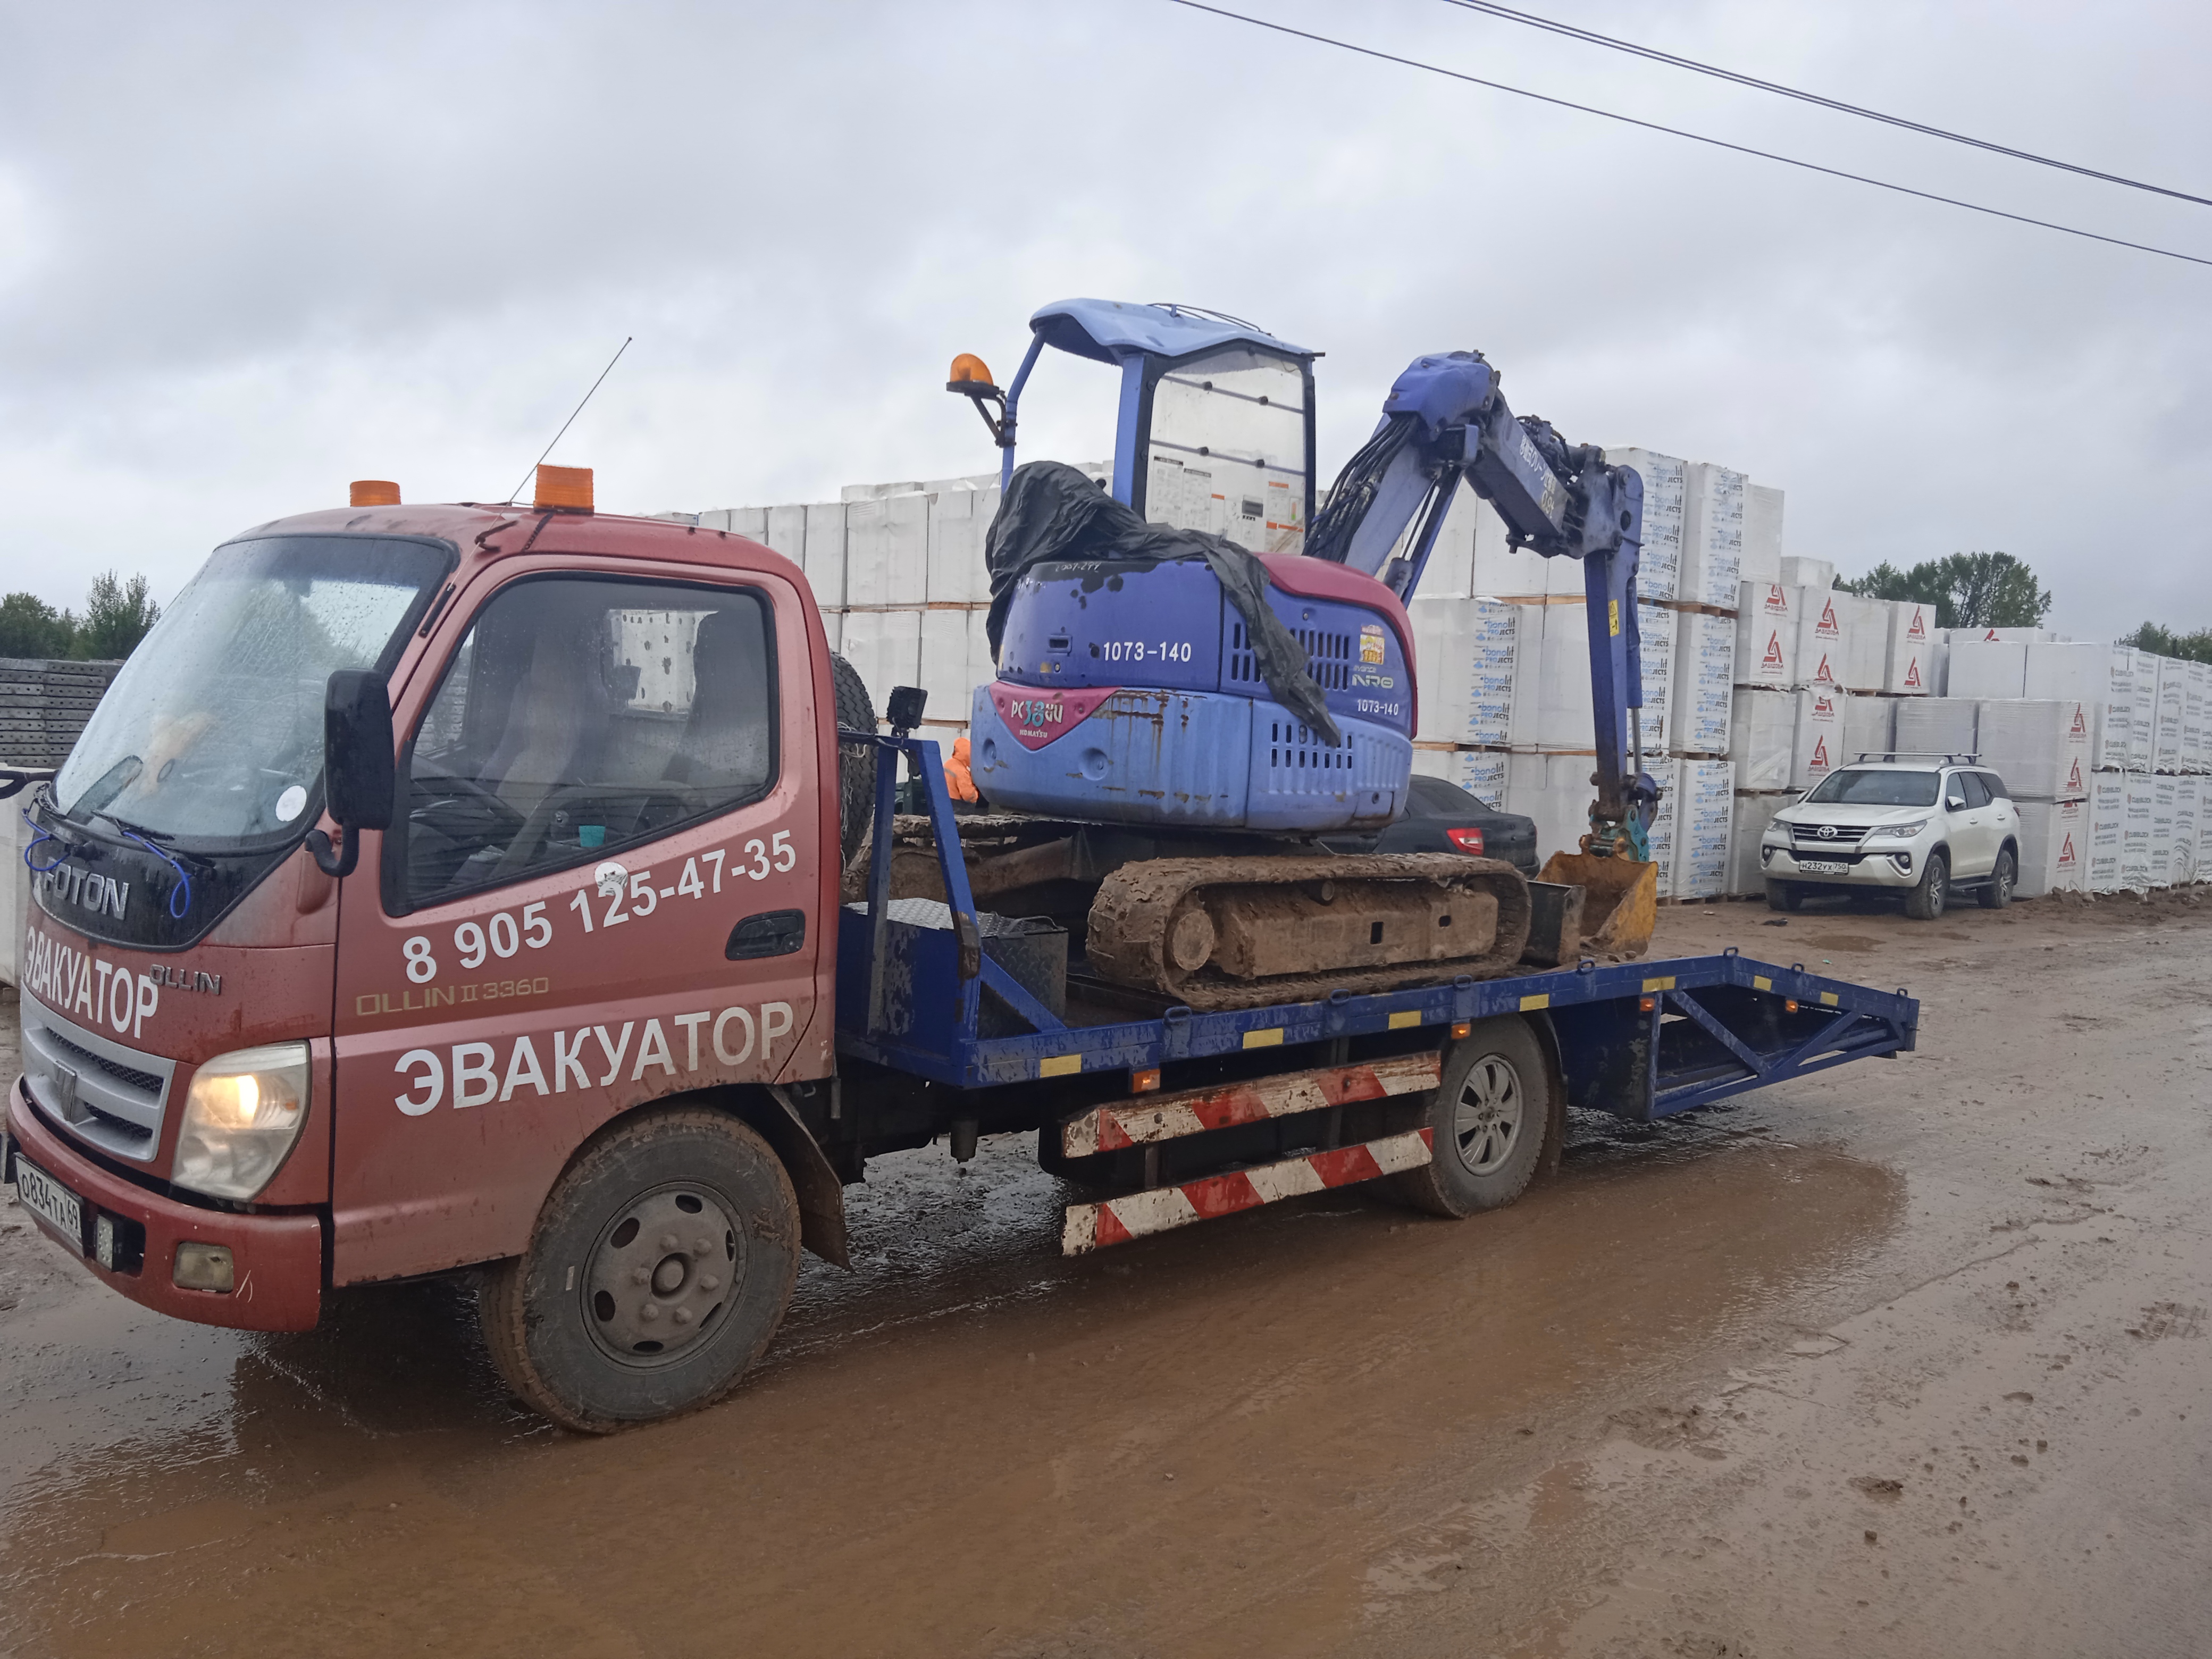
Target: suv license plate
[[43, 1195], [1824, 867]]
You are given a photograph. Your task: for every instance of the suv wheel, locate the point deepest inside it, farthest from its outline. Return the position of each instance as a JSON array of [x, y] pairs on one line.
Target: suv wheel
[[1925, 902], [1785, 896], [2002, 879]]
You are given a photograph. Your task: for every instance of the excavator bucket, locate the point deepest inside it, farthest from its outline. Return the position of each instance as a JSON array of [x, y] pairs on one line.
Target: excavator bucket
[[1620, 903]]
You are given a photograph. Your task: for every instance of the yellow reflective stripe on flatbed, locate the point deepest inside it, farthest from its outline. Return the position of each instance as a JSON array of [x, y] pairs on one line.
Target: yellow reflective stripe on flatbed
[[1269, 1039], [1666, 982], [1760, 982], [1830, 998], [1060, 1065], [1399, 1022], [1530, 1005]]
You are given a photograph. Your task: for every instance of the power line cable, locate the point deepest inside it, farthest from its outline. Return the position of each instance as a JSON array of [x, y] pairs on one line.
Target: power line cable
[[1679, 132], [1488, 8]]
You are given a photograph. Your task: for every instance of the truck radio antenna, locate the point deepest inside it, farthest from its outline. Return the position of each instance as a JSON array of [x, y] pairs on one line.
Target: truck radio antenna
[[515, 493]]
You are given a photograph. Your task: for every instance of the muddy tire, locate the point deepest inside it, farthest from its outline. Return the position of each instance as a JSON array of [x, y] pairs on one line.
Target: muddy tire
[[1996, 892], [856, 767], [1925, 902], [1490, 1115], [657, 1273], [1785, 896]]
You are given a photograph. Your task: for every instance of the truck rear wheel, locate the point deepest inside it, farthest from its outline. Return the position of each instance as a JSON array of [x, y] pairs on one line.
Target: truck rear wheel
[[657, 1273], [1489, 1115]]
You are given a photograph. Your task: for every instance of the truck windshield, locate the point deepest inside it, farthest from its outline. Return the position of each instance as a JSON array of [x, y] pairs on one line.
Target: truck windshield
[[213, 732], [1870, 788]]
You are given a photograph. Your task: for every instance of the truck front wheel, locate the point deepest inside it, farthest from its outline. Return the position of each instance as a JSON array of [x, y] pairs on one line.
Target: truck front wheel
[[1488, 1118], [657, 1273]]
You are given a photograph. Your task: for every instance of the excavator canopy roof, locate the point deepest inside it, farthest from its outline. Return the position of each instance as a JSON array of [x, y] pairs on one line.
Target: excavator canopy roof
[[1111, 330]]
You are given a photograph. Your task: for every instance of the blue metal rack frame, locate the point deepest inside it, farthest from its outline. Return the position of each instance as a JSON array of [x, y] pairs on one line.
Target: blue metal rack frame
[[1643, 1040]]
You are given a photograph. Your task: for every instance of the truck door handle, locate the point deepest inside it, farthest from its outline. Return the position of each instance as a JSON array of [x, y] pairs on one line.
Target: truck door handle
[[770, 933]]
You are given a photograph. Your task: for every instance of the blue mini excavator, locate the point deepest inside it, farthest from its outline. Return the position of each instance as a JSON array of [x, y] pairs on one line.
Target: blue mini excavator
[[1137, 690]]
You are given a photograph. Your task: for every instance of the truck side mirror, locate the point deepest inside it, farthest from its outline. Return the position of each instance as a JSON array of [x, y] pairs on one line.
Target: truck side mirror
[[358, 773]]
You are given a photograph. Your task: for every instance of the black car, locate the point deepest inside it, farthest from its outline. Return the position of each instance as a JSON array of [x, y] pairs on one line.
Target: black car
[[1443, 817]]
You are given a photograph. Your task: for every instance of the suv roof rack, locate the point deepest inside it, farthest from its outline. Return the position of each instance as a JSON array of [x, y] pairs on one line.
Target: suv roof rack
[[1917, 754]]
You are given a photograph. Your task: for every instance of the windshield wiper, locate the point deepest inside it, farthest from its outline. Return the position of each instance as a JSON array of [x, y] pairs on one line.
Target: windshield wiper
[[140, 829], [110, 784]]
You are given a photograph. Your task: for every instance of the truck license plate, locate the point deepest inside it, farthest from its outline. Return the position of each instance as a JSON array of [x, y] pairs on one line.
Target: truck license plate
[[43, 1195], [1823, 866]]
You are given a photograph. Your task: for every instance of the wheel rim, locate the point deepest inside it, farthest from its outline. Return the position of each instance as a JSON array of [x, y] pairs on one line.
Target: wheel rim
[[1488, 1117], [660, 1273], [1939, 882], [2004, 877]]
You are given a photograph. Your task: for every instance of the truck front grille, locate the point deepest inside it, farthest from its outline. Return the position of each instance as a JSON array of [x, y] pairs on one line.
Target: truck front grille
[[106, 1095]]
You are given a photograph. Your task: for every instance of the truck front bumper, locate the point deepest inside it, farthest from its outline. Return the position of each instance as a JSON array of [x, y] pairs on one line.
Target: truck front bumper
[[277, 1260]]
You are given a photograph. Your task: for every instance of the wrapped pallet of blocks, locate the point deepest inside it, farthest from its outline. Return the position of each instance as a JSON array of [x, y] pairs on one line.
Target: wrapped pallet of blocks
[[1482, 773], [1704, 817], [2138, 810], [2173, 701], [1823, 643], [2055, 846], [1658, 566], [1869, 726], [2041, 747], [885, 648], [1704, 671], [1909, 664], [1467, 652], [1762, 534], [1987, 670], [2182, 867], [2164, 789], [1751, 814], [1866, 630], [2142, 721], [1712, 536], [1762, 740], [1818, 747], [1551, 707], [957, 520], [2108, 814], [1934, 725], [1765, 635]]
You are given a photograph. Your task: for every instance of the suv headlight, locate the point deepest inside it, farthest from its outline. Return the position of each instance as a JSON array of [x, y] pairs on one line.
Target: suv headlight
[[1896, 831], [241, 1119]]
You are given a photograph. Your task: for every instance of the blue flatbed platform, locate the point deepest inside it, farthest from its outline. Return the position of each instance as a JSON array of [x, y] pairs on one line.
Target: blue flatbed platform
[[1642, 1040]]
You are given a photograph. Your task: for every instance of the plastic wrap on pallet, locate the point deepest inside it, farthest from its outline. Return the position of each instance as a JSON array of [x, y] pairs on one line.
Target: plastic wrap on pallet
[[2139, 808], [2197, 687], [2041, 747], [833, 630], [1801, 570], [1762, 534], [2173, 705], [1869, 726], [2202, 864], [1762, 738], [2142, 721], [1908, 667], [944, 654], [1866, 625], [1751, 814], [982, 669], [2163, 786], [2188, 805], [1985, 670], [1659, 563], [885, 648], [1655, 642], [1934, 726], [1822, 649], [1704, 672], [1712, 536], [1467, 653], [786, 532], [1765, 635], [957, 520], [1449, 574], [2054, 847], [887, 550], [1483, 773], [1703, 818], [1558, 679], [1818, 747], [2108, 813], [822, 531], [1555, 791]]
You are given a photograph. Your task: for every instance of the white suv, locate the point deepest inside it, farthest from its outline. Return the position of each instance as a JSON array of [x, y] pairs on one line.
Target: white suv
[[1924, 826]]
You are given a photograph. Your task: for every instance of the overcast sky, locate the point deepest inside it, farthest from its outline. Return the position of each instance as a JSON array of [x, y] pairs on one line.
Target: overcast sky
[[250, 252]]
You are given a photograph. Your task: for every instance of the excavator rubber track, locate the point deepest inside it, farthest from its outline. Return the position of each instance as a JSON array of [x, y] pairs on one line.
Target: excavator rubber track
[[1242, 932]]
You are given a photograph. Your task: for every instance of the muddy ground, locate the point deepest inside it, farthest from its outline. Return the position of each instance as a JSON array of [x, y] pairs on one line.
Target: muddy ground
[[1907, 1359]]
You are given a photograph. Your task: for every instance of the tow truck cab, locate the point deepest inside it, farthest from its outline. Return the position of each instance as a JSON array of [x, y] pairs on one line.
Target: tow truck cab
[[605, 880]]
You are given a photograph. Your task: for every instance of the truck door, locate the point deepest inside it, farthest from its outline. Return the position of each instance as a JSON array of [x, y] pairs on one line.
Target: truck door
[[598, 890], [1973, 832]]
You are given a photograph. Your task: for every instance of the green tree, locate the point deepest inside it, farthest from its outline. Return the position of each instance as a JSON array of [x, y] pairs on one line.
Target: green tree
[[29, 627], [117, 615], [2195, 648], [1968, 590]]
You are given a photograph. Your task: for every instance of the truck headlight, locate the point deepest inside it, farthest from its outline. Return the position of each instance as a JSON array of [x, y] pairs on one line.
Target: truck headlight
[[241, 1117], [1896, 831]]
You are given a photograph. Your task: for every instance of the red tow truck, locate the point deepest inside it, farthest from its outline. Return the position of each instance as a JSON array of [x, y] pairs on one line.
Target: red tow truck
[[459, 887]]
